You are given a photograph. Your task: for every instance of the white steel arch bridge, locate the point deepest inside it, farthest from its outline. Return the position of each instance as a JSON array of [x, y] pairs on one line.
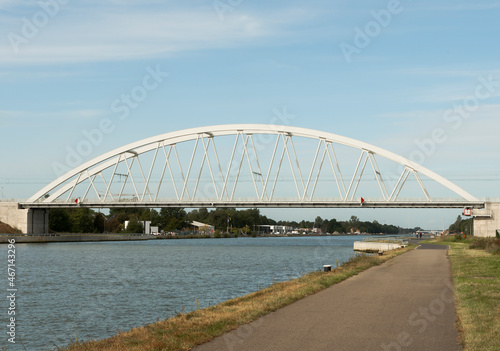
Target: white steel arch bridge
[[250, 165]]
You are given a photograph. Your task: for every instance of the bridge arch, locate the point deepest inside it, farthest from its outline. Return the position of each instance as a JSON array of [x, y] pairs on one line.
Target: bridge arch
[[79, 186]]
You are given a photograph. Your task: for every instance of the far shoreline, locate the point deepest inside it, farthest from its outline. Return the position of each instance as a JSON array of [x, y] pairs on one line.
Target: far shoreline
[[60, 238]]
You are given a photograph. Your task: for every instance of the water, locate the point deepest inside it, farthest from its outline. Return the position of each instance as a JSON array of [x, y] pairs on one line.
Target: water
[[90, 290]]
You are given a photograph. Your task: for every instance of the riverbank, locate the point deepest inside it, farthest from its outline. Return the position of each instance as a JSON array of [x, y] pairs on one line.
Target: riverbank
[[476, 278], [63, 238], [7, 229], [188, 330]]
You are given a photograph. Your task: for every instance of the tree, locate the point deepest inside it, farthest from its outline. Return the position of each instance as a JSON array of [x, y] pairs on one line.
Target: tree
[[99, 223], [149, 214], [467, 226], [172, 218], [220, 216], [248, 218], [318, 222], [462, 226], [125, 214], [199, 215], [455, 227], [203, 214], [59, 220], [113, 225], [353, 223], [134, 226], [82, 220], [76, 220], [332, 226], [246, 230]]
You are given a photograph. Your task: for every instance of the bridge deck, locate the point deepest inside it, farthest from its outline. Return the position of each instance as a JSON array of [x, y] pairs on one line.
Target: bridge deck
[[257, 204]]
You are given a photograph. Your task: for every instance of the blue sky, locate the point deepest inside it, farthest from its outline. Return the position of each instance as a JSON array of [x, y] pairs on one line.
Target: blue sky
[[389, 73]]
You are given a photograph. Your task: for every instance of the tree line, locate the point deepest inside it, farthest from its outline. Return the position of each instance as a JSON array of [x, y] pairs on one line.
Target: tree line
[[462, 226], [84, 220]]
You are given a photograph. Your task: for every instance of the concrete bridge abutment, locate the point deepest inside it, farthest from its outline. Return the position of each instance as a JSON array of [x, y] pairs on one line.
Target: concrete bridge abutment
[[28, 221], [487, 220]]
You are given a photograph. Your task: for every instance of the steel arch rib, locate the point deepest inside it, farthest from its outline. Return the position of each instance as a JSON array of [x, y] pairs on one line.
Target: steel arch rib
[[109, 159]]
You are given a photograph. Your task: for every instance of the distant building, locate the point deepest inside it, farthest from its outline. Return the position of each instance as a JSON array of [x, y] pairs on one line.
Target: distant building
[[146, 226], [275, 229], [202, 228]]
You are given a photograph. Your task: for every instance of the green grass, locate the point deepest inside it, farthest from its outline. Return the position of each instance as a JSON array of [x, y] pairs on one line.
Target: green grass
[[476, 277]]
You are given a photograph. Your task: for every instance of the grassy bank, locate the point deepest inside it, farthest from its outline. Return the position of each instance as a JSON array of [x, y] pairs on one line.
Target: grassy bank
[[476, 277], [188, 330]]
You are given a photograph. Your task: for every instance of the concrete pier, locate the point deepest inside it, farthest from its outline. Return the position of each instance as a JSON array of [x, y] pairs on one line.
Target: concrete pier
[[487, 220], [28, 221], [64, 238], [368, 246]]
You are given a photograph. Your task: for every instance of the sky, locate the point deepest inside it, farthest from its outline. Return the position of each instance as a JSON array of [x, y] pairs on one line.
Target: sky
[[418, 78]]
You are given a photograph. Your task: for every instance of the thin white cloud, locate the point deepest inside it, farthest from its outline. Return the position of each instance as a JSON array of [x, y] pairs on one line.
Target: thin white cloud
[[450, 85], [445, 72], [88, 35], [475, 135], [17, 75], [469, 6], [5, 4], [449, 94], [19, 117]]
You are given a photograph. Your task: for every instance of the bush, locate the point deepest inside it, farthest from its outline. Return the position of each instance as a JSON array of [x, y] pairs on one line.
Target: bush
[[457, 238], [134, 227], [491, 245], [479, 244]]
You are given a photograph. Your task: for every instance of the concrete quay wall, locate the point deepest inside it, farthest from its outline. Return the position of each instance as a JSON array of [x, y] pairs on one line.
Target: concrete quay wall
[[367, 246], [55, 238]]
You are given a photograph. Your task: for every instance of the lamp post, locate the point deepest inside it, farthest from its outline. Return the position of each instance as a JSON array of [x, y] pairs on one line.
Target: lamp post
[[2, 193]]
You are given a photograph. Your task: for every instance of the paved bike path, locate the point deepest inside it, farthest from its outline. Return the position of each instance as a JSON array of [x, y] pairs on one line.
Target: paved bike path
[[404, 304]]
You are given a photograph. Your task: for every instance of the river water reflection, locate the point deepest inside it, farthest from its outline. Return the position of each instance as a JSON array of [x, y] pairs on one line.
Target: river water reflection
[[91, 290]]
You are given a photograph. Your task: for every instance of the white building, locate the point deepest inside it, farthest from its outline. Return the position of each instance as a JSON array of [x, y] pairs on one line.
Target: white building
[[203, 227], [275, 229], [146, 226]]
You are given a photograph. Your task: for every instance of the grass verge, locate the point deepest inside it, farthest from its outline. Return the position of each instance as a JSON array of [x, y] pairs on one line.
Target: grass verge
[[476, 277], [185, 331]]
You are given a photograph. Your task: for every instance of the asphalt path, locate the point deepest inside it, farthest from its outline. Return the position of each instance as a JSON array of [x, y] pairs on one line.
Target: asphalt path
[[404, 304]]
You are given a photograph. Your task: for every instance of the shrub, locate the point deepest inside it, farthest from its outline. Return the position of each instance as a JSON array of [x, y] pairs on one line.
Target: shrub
[[491, 245]]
